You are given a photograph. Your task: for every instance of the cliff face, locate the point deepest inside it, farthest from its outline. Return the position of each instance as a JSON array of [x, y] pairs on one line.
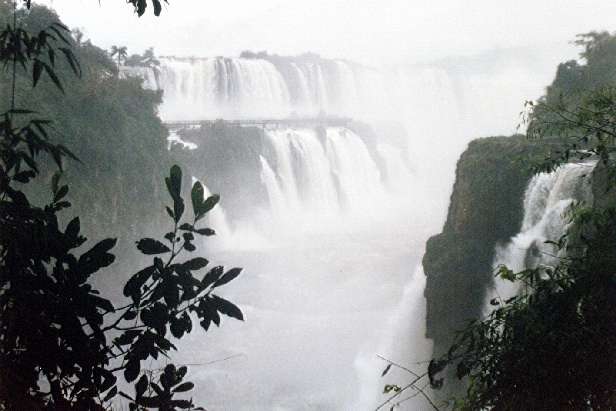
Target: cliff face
[[486, 208]]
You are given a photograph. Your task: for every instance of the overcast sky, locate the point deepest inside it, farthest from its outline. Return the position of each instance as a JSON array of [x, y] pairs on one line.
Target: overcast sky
[[366, 31]]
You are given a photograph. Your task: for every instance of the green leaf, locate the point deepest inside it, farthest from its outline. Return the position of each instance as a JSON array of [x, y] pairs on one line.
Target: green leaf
[[229, 276], [149, 246], [130, 315], [205, 231], [60, 194], [209, 204], [157, 7], [184, 404], [127, 338], [225, 307], [55, 179], [111, 394], [187, 386], [170, 212], [141, 386], [197, 193], [138, 280], [150, 402], [24, 176], [37, 69], [196, 263], [52, 75], [132, 369], [211, 277], [505, 273], [174, 182], [178, 209], [72, 229]]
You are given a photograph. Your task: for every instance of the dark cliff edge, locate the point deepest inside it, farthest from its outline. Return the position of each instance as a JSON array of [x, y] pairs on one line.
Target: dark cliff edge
[[486, 208]]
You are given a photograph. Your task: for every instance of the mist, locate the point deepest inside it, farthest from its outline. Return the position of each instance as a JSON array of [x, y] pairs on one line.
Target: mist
[[330, 225]]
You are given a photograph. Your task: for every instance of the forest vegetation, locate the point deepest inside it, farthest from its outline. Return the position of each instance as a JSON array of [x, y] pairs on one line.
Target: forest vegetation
[[552, 347], [68, 117]]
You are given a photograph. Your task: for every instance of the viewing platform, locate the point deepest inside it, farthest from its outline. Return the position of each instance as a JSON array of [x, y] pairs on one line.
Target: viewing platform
[[265, 123]]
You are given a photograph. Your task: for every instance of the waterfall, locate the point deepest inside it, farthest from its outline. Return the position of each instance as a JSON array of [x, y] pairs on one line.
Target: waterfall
[[547, 199], [332, 279], [332, 262], [317, 174]]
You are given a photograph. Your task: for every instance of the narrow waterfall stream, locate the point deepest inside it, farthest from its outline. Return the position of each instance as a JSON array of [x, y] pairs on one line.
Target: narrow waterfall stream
[[547, 199]]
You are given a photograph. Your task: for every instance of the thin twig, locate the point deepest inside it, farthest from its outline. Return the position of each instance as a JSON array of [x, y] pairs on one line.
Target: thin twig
[[398, 365]]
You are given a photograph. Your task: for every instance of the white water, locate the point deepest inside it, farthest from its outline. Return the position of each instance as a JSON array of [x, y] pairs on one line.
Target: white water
[[442, 106], [333, 273], [546, 201], [332, 279]]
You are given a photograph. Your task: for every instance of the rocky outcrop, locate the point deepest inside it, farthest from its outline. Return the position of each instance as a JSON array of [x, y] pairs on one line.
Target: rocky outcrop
[[486, 208]]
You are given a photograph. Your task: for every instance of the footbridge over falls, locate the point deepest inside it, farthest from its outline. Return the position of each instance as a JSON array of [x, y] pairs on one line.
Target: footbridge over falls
[[265, 123]]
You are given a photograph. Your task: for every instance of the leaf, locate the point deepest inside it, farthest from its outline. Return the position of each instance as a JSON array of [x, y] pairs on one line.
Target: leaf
[[184, 404], [111, 394], [72, 229], [132, 369], [187, 386], [178, 209], [229, 276], [97, 257], [188, 246], [196, 194], [149, 246], [390, 387], [55, 179], [174, 182], [209, 204], [37, 69], [60, 194], [386, 370], [102, 303], [127, 338], [196, 263], [225, 307], [141, 386], [138, 280], [24, 176], [149, 402], [130, 315], [205, 231], [172, 296], [52, 75], [211, 277], [157, 7]]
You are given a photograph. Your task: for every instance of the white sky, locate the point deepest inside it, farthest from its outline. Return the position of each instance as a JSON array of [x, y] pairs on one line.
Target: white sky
[[367, 31]]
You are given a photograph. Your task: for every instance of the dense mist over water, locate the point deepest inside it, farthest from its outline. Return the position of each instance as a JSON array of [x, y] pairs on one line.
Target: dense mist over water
[[332, 257], [332, 261]]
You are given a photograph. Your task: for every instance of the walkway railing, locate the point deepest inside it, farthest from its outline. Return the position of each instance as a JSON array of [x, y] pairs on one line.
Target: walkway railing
[[299, 122]]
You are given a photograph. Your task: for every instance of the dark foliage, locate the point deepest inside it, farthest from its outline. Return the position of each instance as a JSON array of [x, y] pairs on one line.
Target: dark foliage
[[554, 346], [62, 345]]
